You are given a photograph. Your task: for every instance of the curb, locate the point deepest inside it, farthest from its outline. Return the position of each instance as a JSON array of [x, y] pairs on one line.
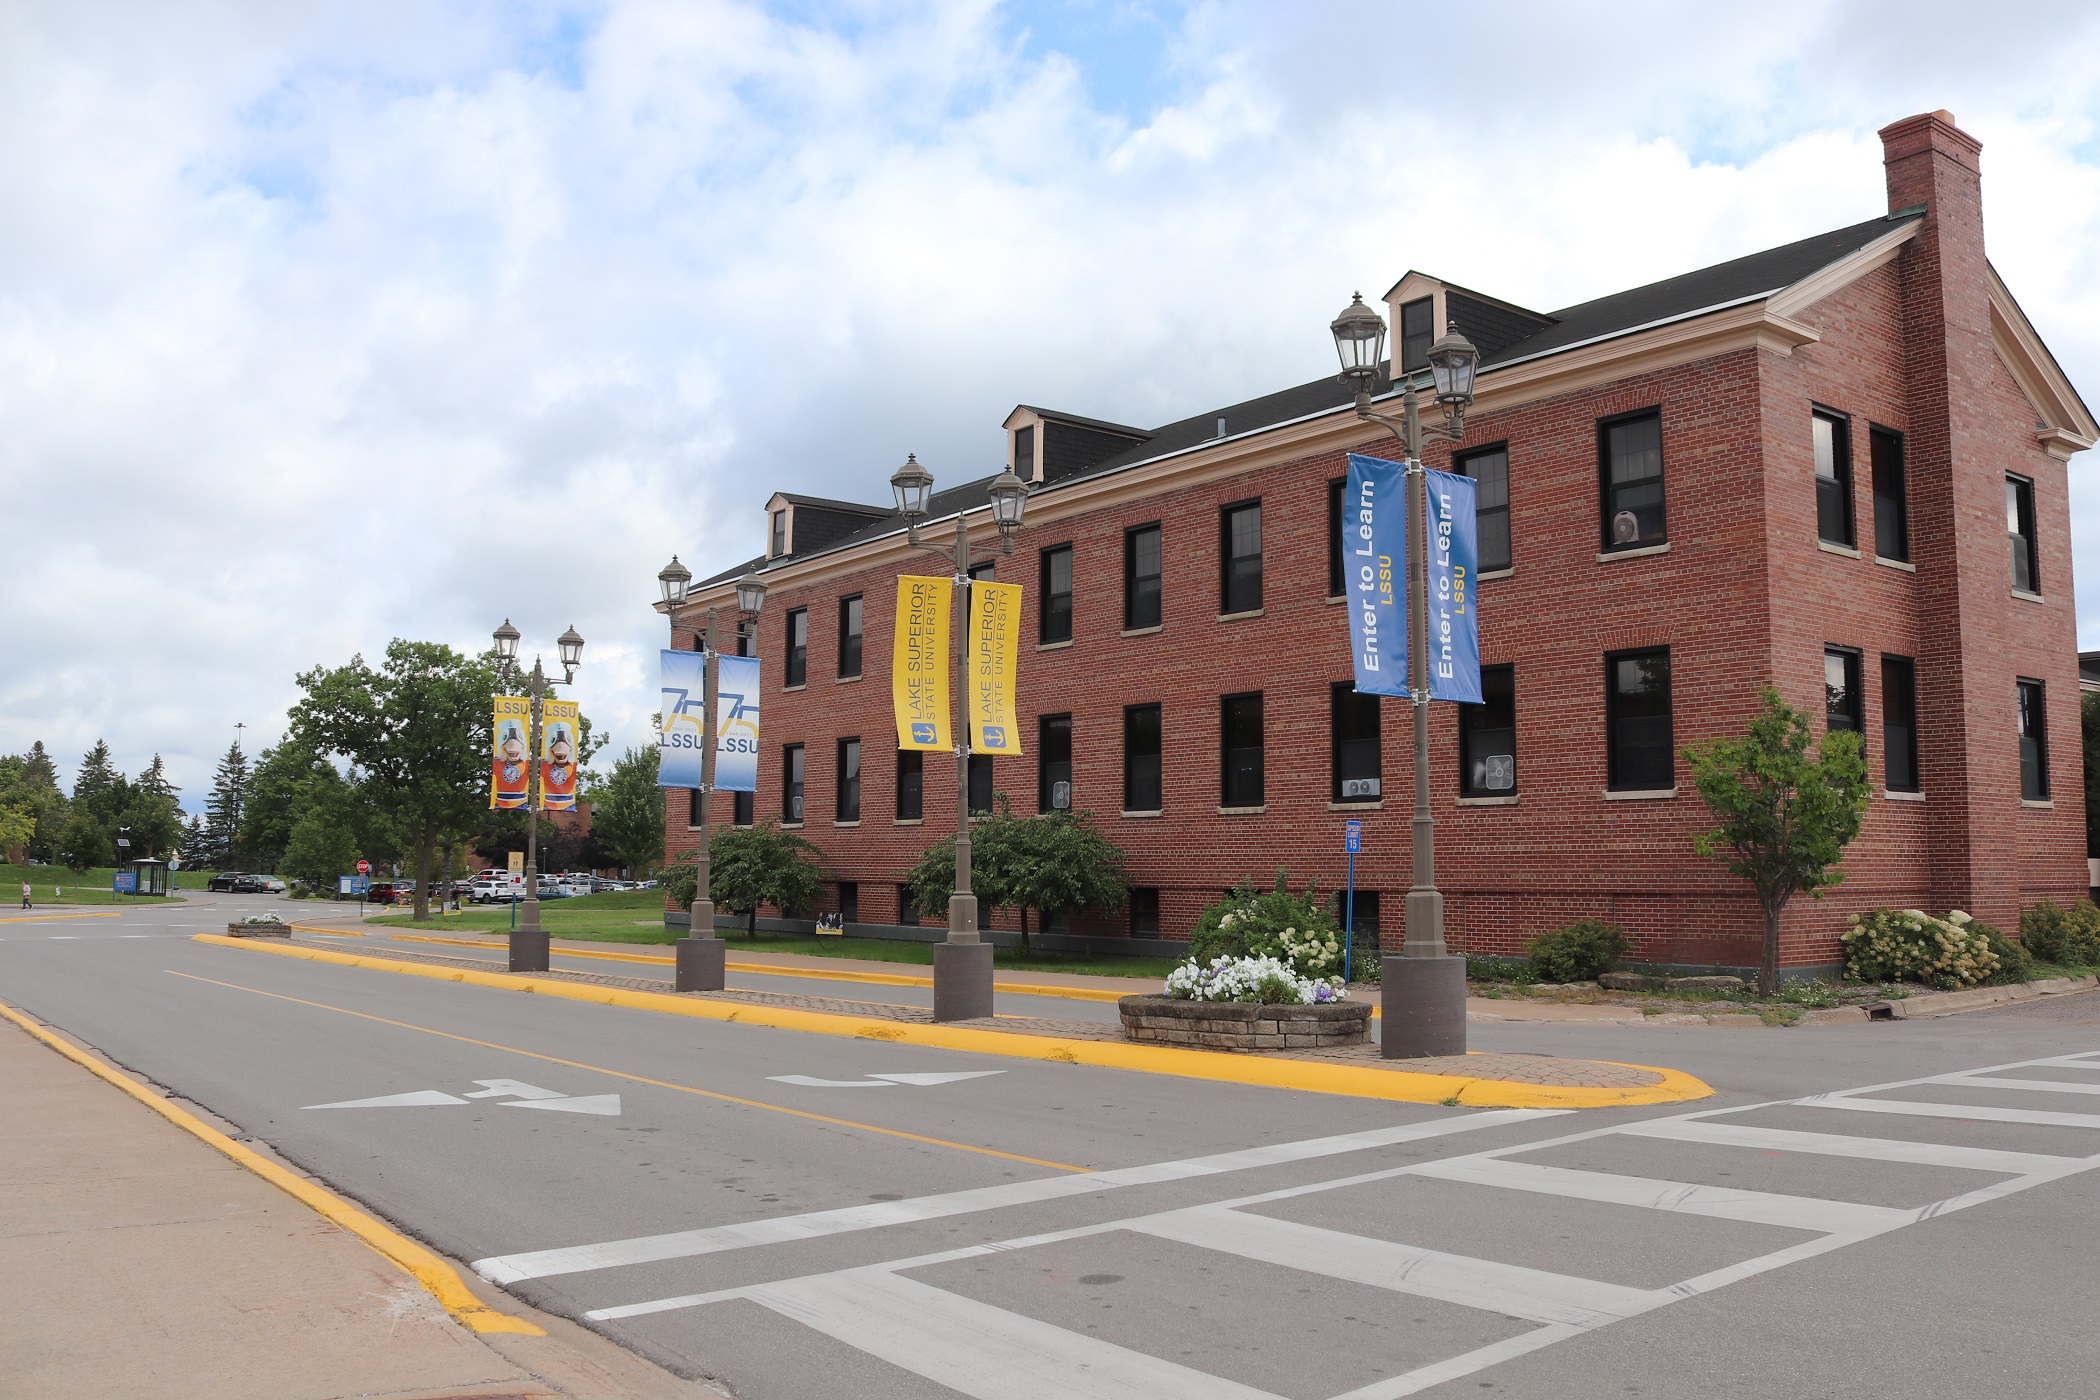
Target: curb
[[1310, 1075], [1976, 998], [440, 1279]]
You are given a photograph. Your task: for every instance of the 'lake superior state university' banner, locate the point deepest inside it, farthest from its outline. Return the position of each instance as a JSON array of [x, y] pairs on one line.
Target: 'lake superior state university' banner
[[680, 741], [1454, 567], [1374, 572], [736, 724], [919, 662], [508, 773], [560, 725], [995, 659]]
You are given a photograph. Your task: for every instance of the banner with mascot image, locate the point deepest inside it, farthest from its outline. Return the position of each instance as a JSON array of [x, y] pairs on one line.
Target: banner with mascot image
[[509, 778], [561, 728]]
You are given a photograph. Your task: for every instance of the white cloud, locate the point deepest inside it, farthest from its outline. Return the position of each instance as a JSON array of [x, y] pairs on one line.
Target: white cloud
[[324, 325]]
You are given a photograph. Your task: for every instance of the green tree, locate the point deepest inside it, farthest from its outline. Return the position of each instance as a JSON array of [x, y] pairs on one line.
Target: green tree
[[193, 839], [153, 813], [1046, 863], [223, 810], [101, 792], [417, 727], [17, 825], [1784, 818], [627, 811], [323, 842], [29, 782], [277, 791], [84, 844], [750, 866]]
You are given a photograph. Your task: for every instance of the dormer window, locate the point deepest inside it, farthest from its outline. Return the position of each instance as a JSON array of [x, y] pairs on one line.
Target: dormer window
[[1417, 331], [777, 541]]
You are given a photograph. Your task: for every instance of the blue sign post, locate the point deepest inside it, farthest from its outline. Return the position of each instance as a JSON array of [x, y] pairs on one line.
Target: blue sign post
[[1352, 841]]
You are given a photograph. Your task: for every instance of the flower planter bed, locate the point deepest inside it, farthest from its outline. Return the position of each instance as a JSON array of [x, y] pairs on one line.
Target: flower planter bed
[[259, 930], [1235, 1025]]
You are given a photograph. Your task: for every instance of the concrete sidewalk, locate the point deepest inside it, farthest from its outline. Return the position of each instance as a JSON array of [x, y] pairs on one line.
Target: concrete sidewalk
[[142, 1263]]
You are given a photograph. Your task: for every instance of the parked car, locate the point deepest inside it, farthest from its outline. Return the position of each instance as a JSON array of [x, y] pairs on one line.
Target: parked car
[[238, 882], [272, 885], [497, 887], [389, 892]]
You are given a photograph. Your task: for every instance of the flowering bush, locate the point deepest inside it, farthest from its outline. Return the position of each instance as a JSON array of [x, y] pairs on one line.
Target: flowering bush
[[1909, 945], [1263, 980], [1297, 929], [2054, 934], [264, 918]]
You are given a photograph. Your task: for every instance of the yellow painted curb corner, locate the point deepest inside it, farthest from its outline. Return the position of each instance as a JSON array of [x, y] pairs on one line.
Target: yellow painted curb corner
[[440, 1279], [1316, 1076]]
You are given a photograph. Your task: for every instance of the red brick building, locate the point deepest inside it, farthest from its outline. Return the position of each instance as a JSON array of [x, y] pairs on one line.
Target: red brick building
[[1835, 467]]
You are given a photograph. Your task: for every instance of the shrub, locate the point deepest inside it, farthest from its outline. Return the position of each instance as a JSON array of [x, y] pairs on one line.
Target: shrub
[[2070, 937], [1266, 981], [1909, 945], [1578, 952], [2015, 962], [1298, 929]]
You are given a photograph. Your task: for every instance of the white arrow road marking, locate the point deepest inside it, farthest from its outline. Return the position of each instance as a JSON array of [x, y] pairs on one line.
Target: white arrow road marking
[[606, 1104], [927, 1080], [808, 1083], [516, 1088], [421, 1098], [876, 1081]]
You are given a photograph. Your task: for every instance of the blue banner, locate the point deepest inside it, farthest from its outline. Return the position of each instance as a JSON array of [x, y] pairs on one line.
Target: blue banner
[[680, 742], [736, 724], [1454, 567], [1374, 572]]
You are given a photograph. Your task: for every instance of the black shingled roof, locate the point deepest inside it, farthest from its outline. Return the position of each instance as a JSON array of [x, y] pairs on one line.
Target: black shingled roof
[[1740, 279]]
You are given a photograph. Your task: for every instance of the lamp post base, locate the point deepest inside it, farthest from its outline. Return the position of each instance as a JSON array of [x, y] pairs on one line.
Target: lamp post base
[[528, 950], [962, 981], [1424, 1006], [703, 965]]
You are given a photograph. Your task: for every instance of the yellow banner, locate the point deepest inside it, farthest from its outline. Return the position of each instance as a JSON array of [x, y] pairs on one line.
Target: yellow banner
[[509, 773], [919, 663], [560, 738], [995, 660]]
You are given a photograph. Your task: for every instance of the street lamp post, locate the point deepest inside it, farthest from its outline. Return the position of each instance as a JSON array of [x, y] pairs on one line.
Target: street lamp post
[[962, 966], [702, 958], [528, 941], [1423, 987]]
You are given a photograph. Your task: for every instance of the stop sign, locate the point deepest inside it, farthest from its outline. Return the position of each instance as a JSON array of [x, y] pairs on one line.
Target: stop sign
[[364, 867]]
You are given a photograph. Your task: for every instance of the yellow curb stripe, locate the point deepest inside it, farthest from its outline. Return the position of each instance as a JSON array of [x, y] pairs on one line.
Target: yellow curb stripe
[[439, 1278], [46, 918], [1315, 1076], [643, 1078]]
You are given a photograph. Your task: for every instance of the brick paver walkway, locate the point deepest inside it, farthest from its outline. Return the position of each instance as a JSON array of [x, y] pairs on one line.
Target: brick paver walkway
[[1516, 1069]]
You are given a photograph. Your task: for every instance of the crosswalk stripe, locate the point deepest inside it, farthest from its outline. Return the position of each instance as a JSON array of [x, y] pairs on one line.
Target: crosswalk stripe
[[1716, 1202], [1973, 1112], [980, 1350], [1924, 1154], [1533, 1294], [2051, 1086]]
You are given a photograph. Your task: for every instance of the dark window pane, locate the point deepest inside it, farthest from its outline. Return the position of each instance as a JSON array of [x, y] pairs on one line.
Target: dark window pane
[[1242, 550], [849, 636], [980, 784], [1899, 722], [849, 901], [1417, 332], [1141, 577], [1024, 453], [907, 912], [1891, 505], [791, 783], [1141, 754], [1490, 472], [848, 803], [1144, 913], [1358, 915], [1054, 763], [744, 806], [1241, 730], [1637, 691], [1633, 483], [797, 646], [1487, 736], [1843, 706], [985, 569], [911, 784], [1334, 536], [694, 816], [1833, 448], [2019, 528], [2034, 743], [1354, 723], [777, 546], [1056, 616]]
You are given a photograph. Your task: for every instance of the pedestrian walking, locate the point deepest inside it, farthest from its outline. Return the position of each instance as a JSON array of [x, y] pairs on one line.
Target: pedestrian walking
[[25, 894]]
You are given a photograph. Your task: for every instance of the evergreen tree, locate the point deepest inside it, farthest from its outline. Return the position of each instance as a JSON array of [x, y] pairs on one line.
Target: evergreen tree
[[627, 811], [223, 810], [194, 841], [154, 813], [29, 783], [99, 789]]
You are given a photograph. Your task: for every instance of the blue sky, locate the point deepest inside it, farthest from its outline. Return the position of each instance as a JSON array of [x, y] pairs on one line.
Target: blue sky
[[298, 302]]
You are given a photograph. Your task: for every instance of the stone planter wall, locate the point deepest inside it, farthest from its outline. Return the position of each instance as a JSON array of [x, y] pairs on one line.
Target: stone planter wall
[[1231, 1025], [259, 930]]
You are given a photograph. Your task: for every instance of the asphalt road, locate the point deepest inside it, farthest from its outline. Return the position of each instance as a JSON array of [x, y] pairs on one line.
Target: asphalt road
[[1045, 1231]]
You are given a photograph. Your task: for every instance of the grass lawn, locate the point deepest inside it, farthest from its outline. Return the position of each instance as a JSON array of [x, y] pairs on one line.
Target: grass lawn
[[636, 916], [81, 887]]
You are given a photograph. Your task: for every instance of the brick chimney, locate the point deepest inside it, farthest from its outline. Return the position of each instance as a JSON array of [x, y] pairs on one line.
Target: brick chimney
[[1957, 504]]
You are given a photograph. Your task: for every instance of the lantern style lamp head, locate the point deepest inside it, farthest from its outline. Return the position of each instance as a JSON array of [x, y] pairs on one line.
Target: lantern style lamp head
[[912, 484], [506, 643], [1009, 498], [1452, 362], [571, 645], [1359, 339], [750, 594], [674, 578]]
